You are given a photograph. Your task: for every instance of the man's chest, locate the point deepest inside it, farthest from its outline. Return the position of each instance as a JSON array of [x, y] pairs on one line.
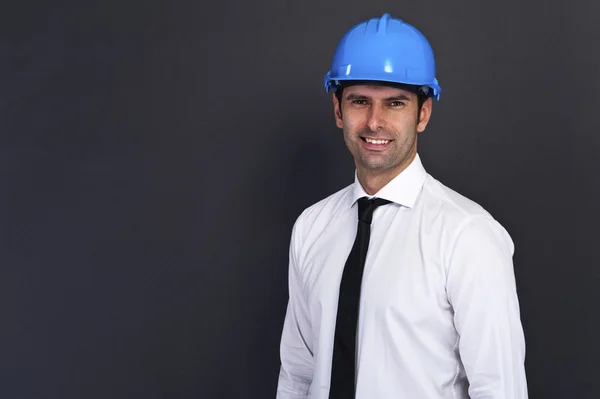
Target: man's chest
[[404, 272]]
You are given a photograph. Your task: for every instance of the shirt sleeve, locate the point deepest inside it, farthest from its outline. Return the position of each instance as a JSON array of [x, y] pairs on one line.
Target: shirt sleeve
[[482, 291], [297, 362]]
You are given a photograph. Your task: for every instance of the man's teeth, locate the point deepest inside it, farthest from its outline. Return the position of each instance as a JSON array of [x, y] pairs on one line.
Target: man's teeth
[[376, 141]]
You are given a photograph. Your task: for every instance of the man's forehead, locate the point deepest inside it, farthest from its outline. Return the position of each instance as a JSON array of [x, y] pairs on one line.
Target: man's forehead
[[377, 90]]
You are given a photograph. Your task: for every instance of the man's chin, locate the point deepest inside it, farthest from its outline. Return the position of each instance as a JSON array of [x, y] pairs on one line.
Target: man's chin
[[376, 167]]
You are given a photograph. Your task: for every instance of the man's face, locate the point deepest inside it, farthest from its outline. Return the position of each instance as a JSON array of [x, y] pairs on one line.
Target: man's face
[[380, 126]]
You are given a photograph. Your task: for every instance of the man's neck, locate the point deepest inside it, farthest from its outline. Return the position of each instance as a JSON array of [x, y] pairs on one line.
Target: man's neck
[[373, 181]]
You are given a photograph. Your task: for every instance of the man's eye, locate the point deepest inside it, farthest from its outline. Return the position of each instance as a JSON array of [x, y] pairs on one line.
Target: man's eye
[[359, 102], [396, 103]]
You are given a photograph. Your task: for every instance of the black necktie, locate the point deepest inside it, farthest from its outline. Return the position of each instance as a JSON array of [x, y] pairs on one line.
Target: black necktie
[[343, 367]]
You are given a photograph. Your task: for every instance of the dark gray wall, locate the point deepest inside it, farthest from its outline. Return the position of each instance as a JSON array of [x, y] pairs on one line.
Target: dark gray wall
[[154, 156]]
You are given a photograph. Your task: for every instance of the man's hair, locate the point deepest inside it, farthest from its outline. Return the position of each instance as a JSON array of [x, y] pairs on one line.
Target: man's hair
[[418, 90]]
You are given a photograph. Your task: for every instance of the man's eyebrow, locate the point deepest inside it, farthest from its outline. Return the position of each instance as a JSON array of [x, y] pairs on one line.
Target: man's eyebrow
[[399, 97], [354, 96]]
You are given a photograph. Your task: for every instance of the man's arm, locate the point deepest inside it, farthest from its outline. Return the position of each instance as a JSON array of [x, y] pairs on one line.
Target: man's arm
[[297, 363], [481, 288]]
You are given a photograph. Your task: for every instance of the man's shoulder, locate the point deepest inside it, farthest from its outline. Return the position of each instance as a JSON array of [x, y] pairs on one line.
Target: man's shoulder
[[327, 205], [459, 216], [318, 215], [455, 207]]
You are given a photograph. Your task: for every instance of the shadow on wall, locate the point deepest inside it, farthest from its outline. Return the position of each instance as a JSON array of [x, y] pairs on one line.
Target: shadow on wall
[[310, 174], [298, 170], [318, 163], [310, 163]]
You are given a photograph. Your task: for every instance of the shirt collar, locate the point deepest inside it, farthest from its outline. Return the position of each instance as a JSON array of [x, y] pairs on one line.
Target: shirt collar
[[402, 189]]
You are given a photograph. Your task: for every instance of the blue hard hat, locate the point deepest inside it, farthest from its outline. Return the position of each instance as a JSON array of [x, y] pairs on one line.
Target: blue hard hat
[[384, 49]]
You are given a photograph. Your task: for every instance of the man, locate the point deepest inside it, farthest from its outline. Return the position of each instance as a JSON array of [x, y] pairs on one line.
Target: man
[[399, 287]]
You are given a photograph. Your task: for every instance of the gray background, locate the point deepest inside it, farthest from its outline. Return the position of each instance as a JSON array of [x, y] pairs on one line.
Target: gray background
[[155, 155]]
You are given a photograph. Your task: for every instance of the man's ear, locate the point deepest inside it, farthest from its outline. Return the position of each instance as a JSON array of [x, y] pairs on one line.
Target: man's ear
[[337, 111], [425, 115]]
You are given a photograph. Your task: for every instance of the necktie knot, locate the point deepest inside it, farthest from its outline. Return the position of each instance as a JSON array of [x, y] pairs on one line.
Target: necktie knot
[[367, 206]]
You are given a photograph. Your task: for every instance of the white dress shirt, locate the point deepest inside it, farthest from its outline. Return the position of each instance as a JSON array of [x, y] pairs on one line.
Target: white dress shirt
[[439, 313]]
